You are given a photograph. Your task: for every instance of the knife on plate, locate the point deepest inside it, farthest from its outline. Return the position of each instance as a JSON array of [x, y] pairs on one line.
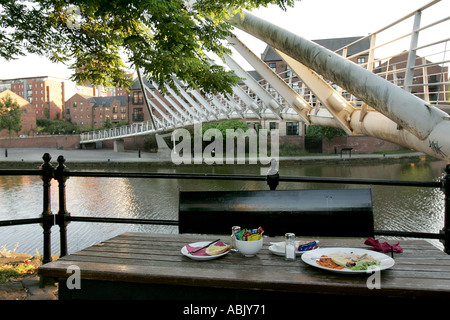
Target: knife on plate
[[209, 244]]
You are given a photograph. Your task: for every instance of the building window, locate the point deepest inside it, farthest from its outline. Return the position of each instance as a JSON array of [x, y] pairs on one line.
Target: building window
[[272, 125], [138, 114], [273, 66], [292, 128], [361, 60], [288, 72], [138, 97]]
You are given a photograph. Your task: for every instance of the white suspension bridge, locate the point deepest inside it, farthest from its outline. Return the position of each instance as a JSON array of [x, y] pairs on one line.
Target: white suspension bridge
[[400, 97]]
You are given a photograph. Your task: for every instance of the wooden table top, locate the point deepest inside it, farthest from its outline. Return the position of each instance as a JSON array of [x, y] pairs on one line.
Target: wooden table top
[[422, 270]]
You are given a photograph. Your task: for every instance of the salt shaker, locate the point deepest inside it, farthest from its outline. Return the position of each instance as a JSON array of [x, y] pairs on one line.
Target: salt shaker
[[234, 230], [289, 246]]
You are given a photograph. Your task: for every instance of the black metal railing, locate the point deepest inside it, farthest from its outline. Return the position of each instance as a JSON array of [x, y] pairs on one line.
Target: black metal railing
[[48, 172]]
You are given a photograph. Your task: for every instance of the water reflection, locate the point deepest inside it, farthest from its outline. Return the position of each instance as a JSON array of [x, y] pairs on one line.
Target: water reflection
[[395, 208]]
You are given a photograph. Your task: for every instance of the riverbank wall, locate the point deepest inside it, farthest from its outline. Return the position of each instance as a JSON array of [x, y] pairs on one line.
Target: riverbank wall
[[28, 158], [65, 142], [359, 144]]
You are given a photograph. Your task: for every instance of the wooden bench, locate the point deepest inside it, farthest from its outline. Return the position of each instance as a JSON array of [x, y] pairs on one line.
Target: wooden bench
[[331, 212]]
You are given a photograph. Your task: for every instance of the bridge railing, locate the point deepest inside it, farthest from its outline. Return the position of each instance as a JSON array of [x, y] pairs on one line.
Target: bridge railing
[[412, 53], [60, 173]]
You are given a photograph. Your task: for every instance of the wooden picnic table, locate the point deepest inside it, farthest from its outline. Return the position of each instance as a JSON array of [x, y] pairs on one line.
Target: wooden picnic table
[[151, 266]]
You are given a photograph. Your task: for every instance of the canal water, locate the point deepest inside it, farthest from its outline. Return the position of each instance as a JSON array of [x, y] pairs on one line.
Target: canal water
[[395, 208]]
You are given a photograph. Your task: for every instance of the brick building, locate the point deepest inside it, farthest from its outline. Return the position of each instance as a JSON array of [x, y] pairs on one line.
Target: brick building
[[93, 112], [45, 94], [294, 130], [28, 116], [428, 80]]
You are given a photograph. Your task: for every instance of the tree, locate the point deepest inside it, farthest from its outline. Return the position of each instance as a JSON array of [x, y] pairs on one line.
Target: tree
[[161, 38], [10, 115], [322, 132], [222, 126], [55, 126]]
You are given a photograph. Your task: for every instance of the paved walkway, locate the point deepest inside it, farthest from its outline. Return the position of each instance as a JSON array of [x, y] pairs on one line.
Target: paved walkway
[[35, 292], [108, 155]]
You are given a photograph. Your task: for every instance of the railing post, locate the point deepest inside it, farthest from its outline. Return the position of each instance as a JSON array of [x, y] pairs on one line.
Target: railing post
[[411, 62], [47, 216], [60, 175], [446, 230]]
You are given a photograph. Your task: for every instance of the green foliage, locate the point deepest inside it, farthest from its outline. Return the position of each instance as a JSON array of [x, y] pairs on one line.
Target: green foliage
[[55, 126], [322, 132], [222, 126], [8, 272], [290, 150], [150, 144], [161, 38], [10, 115]]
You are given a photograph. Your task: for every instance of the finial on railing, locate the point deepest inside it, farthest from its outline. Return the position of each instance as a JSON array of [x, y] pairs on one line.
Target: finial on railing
[[61, 160], [46, 157], [60, 169]]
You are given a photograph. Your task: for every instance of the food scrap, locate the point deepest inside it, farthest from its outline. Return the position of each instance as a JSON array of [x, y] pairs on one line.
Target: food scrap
[[327, 262], [249, 234], [349, 260], [214, 250]]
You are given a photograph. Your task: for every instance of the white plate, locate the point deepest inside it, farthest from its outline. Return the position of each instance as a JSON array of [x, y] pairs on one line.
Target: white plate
[[185, 252], [310, 258], [277, 248]]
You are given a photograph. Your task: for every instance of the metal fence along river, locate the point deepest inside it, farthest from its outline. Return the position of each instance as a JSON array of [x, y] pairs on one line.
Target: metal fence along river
[[90, 206]]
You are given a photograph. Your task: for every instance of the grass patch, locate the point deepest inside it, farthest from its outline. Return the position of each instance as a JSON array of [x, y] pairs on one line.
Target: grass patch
[[8, 272], [396, 151]]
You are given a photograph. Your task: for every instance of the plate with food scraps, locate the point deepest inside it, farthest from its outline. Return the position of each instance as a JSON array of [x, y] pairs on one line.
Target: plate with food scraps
[[301, 247], [205, 254], [348, 260]]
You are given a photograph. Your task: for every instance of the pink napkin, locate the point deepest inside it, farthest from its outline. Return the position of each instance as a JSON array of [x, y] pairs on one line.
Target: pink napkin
[[202, 252], [384, 246]]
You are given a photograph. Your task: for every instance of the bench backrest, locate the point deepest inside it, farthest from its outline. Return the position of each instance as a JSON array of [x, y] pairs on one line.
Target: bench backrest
[[330, 212]]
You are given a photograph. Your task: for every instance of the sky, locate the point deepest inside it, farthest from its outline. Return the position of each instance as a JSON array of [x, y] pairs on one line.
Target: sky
[[311, 19]]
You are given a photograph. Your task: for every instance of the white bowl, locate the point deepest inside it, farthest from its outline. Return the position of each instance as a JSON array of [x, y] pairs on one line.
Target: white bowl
[[249, 248]]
